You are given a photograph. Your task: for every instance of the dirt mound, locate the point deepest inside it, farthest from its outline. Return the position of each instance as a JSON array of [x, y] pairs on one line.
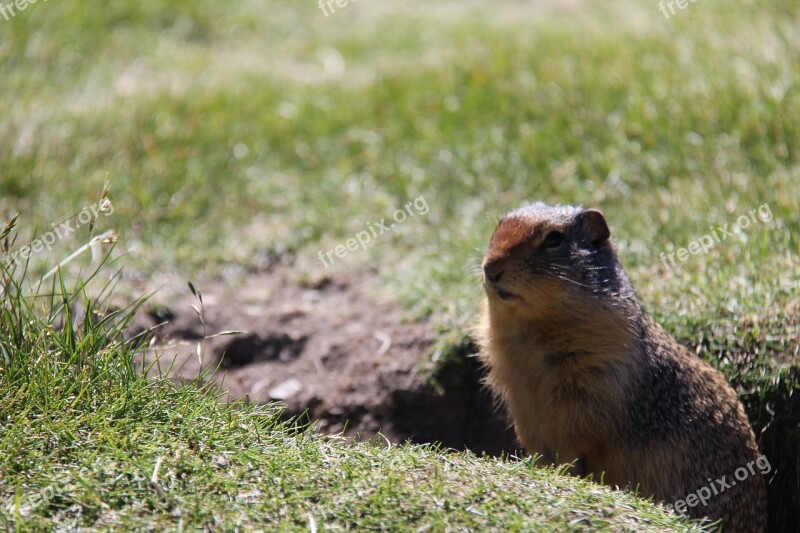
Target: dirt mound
[[334, 351]]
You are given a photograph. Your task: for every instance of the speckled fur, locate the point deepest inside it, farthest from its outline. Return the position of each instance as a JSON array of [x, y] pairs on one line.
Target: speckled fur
[[589, 377]]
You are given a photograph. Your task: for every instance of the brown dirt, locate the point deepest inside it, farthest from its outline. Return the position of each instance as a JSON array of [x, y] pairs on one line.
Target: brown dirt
[[335, 351]]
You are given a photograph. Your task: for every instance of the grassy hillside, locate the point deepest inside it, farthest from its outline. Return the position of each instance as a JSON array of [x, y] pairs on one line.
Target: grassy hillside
[[236, 132], [87, 441]]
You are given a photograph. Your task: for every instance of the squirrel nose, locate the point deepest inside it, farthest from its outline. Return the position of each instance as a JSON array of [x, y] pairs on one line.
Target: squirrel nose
[[493, 270]]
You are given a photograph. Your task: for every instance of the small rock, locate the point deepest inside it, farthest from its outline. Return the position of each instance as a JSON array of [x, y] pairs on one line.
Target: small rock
[[285, 390]]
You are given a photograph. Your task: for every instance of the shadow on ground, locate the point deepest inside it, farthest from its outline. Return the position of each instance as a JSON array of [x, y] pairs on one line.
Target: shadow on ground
[[334, 352]]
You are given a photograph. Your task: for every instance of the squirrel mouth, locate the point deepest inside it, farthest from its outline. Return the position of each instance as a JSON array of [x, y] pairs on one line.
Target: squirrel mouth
[[495, 288], [504, 295]]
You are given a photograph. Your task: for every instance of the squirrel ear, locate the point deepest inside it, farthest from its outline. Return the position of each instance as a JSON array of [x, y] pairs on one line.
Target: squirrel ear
[[594, 225]]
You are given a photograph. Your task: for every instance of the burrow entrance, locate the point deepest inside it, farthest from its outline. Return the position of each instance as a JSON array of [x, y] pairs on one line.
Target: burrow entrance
[[332, 352]]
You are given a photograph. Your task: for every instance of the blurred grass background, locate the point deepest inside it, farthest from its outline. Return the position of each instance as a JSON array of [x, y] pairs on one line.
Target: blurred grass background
[[236, 132]]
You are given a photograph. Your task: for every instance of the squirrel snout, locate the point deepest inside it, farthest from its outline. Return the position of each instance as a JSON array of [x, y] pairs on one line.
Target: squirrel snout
[[493, 270]]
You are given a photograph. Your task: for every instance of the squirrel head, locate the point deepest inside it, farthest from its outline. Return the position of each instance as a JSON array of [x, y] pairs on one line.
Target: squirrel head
[[546, 260]]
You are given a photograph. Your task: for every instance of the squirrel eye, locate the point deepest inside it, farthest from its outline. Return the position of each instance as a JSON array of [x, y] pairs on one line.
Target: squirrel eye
[[553, 239]]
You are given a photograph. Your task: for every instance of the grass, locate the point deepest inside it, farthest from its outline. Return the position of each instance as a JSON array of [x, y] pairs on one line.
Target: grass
[[88, 441], [236, 132]]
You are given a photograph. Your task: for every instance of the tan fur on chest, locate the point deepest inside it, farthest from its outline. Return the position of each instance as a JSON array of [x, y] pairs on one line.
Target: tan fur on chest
[[564, 401]]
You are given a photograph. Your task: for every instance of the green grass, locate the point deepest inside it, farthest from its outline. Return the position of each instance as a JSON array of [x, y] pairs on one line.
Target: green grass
[[88, 441], [232, 132]]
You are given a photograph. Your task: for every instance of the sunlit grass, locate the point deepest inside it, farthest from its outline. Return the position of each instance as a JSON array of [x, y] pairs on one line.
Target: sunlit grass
[[233, 132]]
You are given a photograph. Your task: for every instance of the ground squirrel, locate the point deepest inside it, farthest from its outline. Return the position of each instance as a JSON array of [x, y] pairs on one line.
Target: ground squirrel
[[589, 378]]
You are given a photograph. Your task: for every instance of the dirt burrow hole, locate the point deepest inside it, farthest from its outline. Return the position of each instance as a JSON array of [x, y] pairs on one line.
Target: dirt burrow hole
[[334, 351]]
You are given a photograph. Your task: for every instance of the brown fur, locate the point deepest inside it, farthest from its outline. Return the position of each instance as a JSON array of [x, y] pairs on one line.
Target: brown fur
[[589, 378]]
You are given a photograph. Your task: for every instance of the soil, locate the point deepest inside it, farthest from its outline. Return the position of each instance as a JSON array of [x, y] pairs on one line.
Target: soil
[[334, 352]]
